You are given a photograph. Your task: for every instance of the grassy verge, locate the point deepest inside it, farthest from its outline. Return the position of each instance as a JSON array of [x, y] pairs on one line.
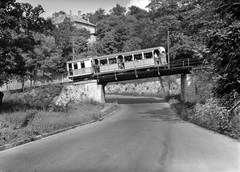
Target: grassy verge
[[25, 115], [18, 126], [209, 115]]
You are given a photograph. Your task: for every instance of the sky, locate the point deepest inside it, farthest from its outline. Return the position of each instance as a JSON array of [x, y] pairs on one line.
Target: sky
[[85, 6]]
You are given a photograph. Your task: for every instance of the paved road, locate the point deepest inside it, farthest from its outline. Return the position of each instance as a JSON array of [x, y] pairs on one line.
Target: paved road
[[144, 136]]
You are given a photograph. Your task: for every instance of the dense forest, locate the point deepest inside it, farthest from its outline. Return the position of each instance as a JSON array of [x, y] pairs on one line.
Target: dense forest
[[32, 48]]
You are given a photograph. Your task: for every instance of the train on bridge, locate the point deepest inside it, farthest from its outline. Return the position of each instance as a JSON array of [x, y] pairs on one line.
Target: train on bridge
[[120, 63]]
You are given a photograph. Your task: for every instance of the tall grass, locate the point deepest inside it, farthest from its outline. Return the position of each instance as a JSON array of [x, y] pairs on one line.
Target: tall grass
[[25, 115]]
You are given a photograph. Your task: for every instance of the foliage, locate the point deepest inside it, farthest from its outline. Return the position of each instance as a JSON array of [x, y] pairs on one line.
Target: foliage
[[19, 126], [98, 15], [223, 42], [71, 41], [210, 115], [19, 21], [38, 98], [118, 10]]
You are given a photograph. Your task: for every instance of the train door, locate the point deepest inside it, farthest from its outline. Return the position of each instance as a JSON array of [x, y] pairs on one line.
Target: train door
[[95, 65], [69, 69], [120, 62]]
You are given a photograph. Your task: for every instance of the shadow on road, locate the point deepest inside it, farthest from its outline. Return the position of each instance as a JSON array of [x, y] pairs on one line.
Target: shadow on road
[[164, 114], [133, 100]]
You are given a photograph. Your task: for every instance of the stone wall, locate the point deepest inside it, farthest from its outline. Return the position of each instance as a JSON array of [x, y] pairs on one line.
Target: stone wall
[[153, 88], [81, 92]]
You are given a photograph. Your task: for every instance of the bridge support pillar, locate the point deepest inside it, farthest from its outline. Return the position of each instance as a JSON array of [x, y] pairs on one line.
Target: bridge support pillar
[[83, 91], [188, 88]]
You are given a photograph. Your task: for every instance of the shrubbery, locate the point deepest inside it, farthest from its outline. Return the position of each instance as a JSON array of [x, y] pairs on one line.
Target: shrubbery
[[40, 98], [210, 115]]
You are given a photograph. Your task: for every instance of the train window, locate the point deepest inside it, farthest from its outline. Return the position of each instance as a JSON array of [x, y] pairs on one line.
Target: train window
[[82, 65], [138, 57], [70, 65], [75, 66], [103, 62], [96, 61], [112, 61], [128, 58], [148, 55]]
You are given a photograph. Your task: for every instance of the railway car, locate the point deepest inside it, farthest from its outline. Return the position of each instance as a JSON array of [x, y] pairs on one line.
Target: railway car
[[145, 59]]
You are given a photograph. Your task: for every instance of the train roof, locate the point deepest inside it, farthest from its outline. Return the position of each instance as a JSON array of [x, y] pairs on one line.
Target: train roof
[[117, 54], [127, 53]]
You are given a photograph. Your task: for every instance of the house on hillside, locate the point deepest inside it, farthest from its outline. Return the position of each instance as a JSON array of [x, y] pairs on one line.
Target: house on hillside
[[79, 22]]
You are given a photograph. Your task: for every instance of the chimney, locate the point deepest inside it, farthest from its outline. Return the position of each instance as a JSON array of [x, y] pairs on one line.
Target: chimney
[[70, 12], [79, 14]]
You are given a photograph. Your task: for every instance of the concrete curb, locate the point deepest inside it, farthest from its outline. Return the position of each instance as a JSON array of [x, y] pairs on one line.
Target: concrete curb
[[173, 107], [44, 135]]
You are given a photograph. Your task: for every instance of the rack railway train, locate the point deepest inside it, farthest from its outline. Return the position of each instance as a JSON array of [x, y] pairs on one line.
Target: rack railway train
[[139, 60]]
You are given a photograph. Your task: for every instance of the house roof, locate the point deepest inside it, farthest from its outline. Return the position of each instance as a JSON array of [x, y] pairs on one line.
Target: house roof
[[73, 18]]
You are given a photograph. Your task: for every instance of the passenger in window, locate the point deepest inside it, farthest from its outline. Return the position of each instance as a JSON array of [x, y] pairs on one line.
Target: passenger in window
[[121, 64]]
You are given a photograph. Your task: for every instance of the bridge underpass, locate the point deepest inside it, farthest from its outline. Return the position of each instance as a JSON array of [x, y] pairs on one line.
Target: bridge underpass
[[94, 89]]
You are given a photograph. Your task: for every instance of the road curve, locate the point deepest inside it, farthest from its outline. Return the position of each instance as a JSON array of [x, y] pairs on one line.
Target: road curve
[[145, 135]]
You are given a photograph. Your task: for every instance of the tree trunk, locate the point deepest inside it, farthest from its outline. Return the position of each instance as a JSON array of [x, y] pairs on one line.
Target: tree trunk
[[23, 85], [30, 82]]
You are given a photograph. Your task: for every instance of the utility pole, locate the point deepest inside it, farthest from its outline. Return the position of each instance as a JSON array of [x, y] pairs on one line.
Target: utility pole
[[73, 48], [169, 81], [168, 50]]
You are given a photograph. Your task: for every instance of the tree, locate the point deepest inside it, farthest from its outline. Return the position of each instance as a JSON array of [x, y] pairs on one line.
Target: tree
[[132, 44], [118, 10], [57, 14], [224, 45], [98, 15], [18, 23], [41, 62], [137, 12], [72, 41]]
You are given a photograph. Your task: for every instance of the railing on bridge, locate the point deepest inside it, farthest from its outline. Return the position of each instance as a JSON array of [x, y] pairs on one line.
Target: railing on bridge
[[185, 63]]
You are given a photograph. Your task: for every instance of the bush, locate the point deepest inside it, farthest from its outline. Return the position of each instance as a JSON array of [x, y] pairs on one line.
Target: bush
[[211, 115], [40, 98]]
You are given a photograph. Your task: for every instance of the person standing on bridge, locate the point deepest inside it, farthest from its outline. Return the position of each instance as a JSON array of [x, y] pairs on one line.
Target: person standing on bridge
[[162, 56], [157, 58]]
